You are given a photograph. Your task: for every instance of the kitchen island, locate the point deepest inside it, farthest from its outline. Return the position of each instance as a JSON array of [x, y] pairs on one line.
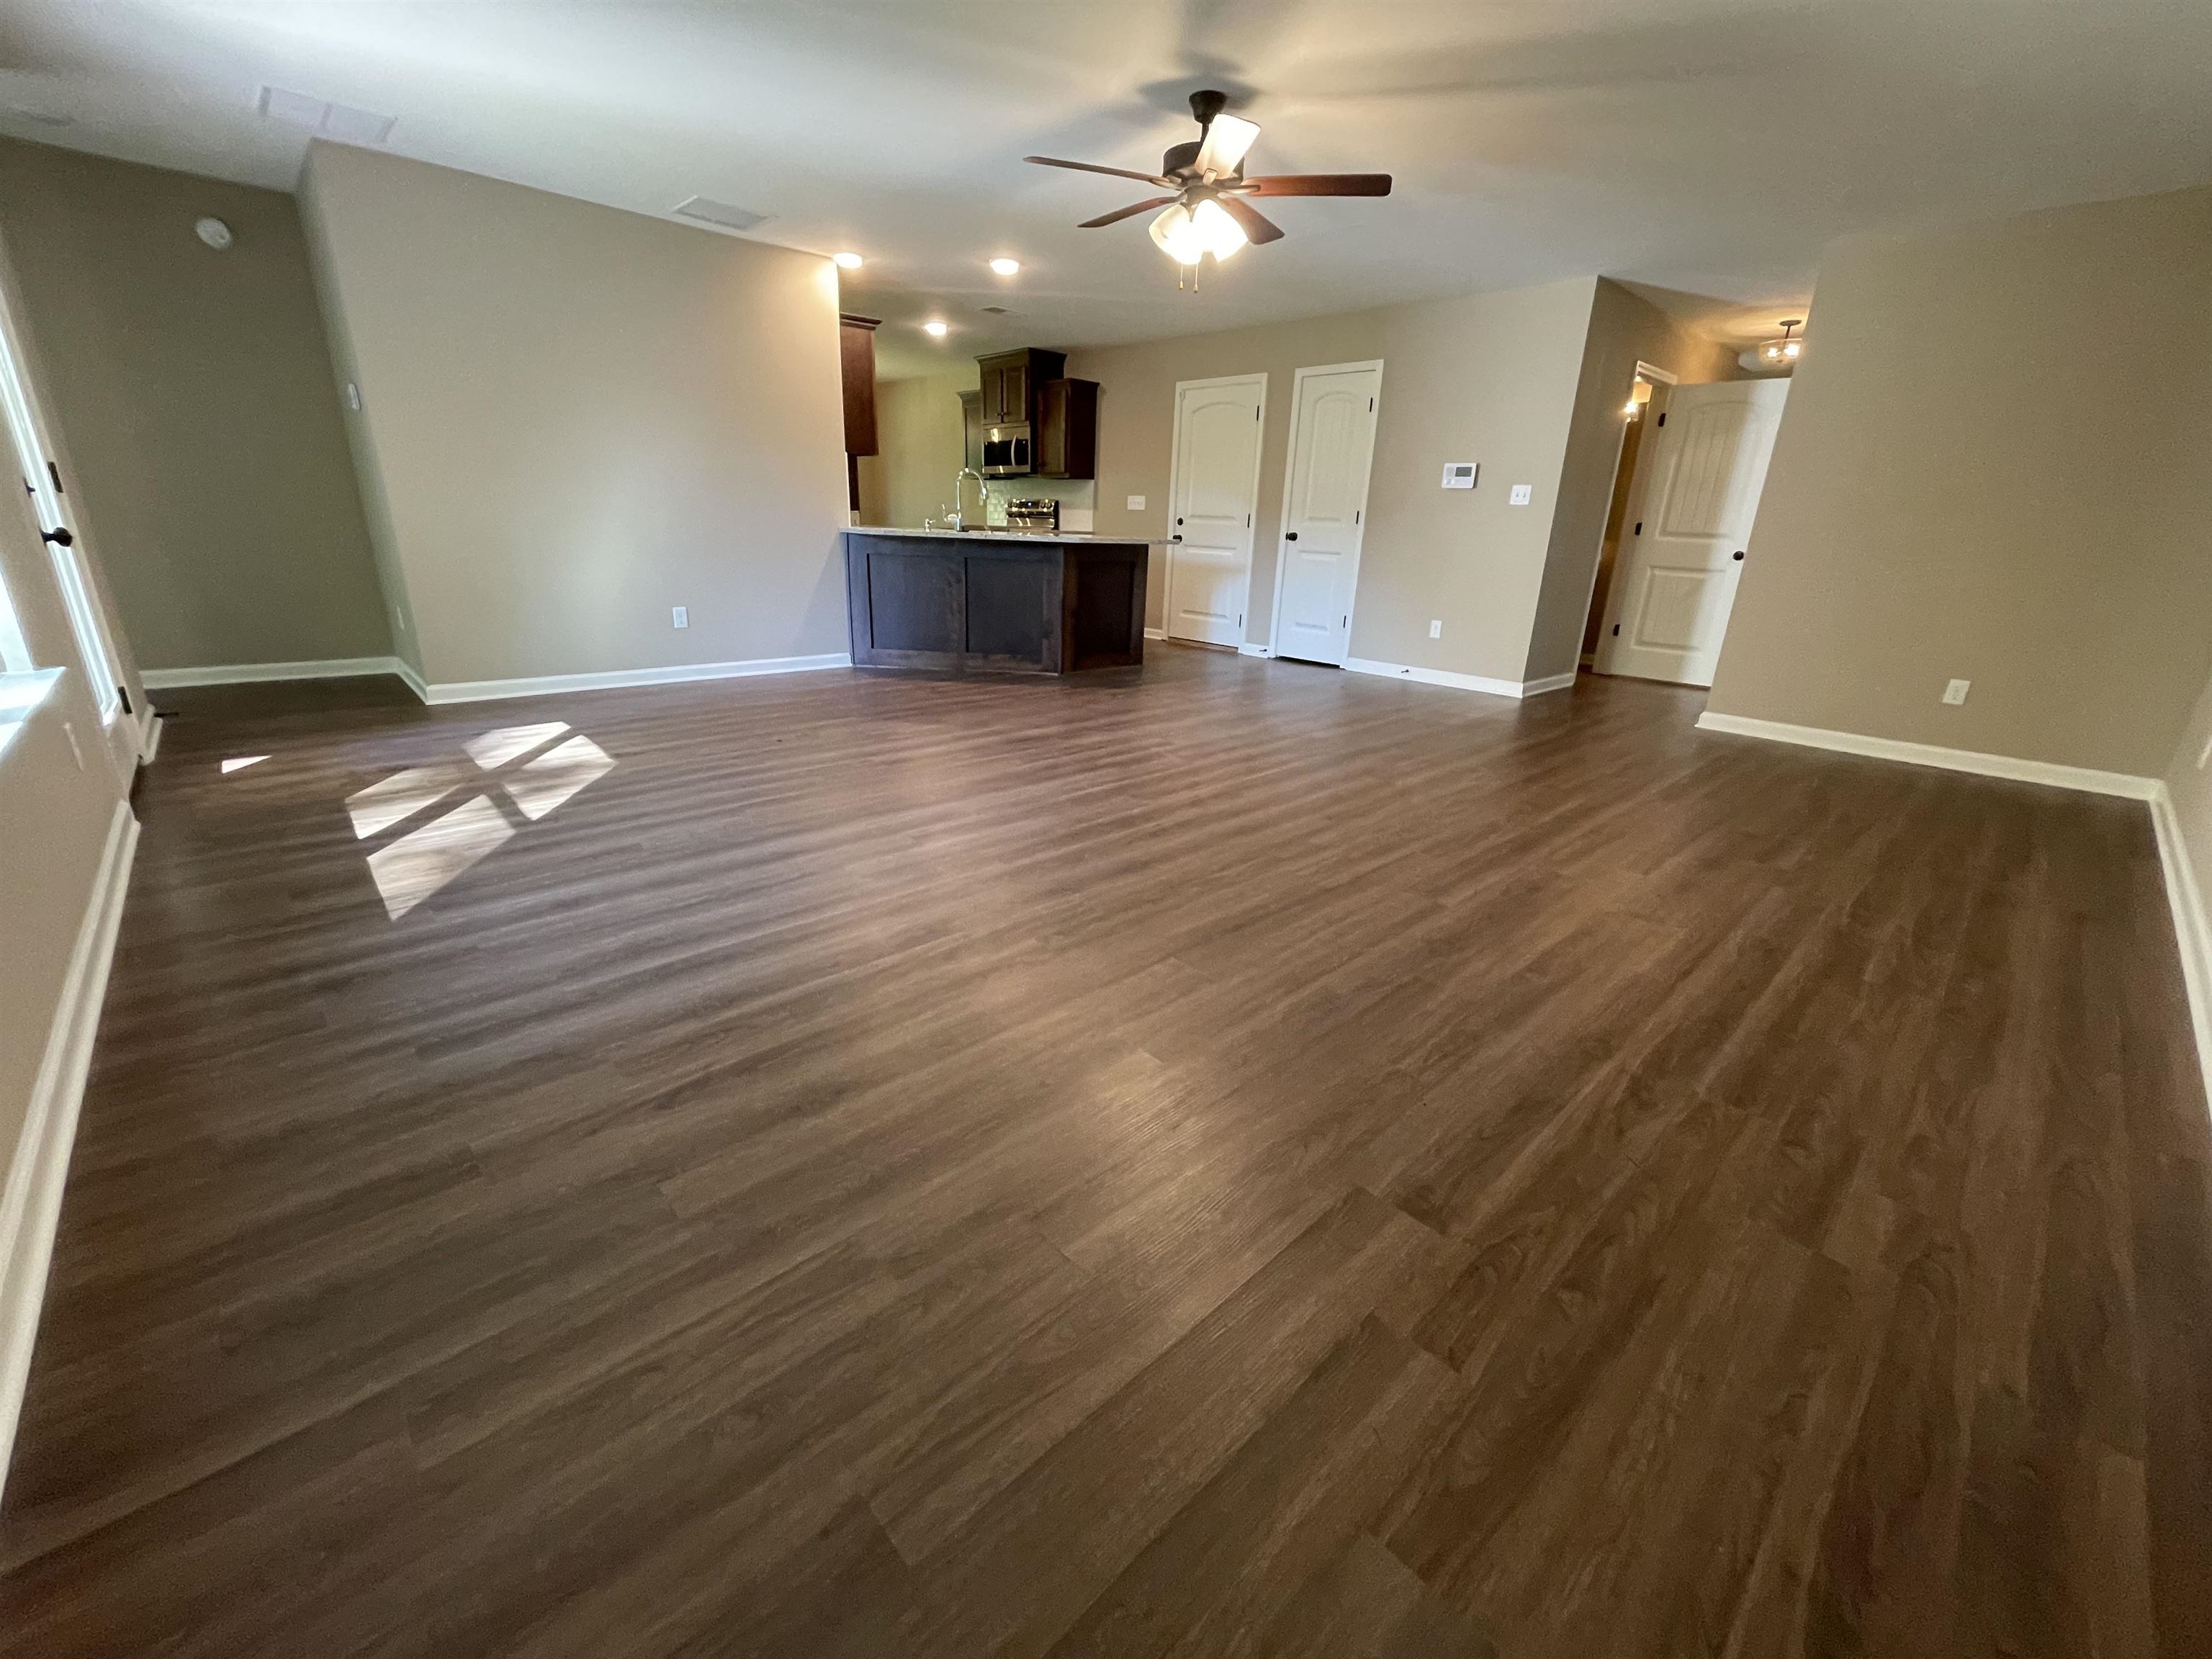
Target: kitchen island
[[999, 601]]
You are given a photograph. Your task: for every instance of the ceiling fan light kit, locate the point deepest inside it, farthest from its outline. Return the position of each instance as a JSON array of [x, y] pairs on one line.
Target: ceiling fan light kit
[[1206, 211]]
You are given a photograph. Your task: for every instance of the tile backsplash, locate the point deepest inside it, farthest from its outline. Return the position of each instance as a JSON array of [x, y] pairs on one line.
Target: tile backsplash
[[1077, 498]]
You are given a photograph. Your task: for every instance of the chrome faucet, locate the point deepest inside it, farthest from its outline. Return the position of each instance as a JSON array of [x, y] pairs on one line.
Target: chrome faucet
[[982, 497]]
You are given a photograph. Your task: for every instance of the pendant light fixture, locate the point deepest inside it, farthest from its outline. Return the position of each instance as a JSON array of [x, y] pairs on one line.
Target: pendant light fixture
[[1772, 356]]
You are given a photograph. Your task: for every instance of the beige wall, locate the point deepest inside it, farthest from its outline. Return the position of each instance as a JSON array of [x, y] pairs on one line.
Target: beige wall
[[918, 430], [1994, 467], [193, 390], [575, 419], [1624, 327], [1486, 377]]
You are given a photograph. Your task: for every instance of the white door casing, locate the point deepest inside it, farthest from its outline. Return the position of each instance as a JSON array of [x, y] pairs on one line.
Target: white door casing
[[1332, 448], [1212, 498], [1702, 472]]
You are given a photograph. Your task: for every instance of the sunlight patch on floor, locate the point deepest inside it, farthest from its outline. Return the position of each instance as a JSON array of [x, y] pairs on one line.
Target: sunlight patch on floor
[[431, 854], [545, 782], [493, 749], [377, 808], [426, 857]]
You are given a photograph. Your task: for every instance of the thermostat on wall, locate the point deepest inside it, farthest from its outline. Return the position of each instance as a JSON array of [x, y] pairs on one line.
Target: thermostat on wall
[[1460, 475]]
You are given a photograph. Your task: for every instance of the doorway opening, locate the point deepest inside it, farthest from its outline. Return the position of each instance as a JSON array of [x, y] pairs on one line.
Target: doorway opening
[[1646, 403]]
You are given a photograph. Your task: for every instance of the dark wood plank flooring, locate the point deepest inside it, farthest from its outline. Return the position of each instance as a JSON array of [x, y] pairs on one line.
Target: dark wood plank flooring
[[1239, 1159]]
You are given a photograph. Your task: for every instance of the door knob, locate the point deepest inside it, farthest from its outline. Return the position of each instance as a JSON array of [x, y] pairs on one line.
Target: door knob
[[1737, 556], [1290, 535], [59, 537]]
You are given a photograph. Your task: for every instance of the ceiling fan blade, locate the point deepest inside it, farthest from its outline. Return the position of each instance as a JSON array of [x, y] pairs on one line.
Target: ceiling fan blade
[[1227, 138], [1123, 213], [1087, 166], [1257, 225], [1320, 184]]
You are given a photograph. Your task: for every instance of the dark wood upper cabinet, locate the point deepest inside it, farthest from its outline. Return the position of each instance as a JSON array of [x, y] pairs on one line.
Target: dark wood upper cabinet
[[856, 357], [1010, 383], [1067, 429]]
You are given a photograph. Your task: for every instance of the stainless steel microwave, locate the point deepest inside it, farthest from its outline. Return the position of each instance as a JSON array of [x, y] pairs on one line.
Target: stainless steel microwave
[[1006, 452]]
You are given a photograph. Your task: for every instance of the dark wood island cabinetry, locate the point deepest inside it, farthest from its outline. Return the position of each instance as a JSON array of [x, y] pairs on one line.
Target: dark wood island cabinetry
[[961, 601]]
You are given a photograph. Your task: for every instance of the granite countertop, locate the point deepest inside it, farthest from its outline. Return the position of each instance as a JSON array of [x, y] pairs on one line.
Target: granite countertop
[[983, 533]]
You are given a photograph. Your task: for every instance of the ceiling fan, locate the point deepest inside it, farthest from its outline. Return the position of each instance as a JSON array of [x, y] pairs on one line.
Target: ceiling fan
[[1207, 212]]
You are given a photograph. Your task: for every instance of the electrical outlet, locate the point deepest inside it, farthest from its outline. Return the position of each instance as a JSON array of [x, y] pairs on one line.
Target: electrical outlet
[[1520, 495], [1955, 693], [353, 397], [1436, 629], [1136, 503], [680, 615], [2204, 754], [398, 621]]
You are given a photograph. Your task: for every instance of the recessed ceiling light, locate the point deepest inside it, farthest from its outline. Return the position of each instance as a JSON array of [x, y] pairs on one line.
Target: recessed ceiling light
[[934, 328], [846, 261], [1005, 267]]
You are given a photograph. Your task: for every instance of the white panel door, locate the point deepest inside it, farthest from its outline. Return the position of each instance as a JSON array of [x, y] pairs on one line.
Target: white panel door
[[1693, 510], [1212, 499], [1325, 509]]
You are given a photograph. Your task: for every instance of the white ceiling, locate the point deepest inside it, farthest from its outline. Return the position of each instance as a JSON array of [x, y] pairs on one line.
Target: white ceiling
[[1699, 147]]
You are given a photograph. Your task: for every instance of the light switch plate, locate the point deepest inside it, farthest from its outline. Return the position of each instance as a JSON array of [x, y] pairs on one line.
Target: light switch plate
[[1461, 475], [353, 397], [1136, 503], [680, 615], [1955, 693], [1436, 629], [1520, 495]]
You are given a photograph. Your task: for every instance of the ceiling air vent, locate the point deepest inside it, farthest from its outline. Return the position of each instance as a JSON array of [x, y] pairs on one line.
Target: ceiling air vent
[[994, 311], [343, 122], [710, 212]]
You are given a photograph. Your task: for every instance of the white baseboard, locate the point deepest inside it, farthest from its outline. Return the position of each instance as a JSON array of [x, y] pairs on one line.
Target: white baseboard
[[253, 673], [1396, 670], [151, 743], [31, 1200], [405, 670], [1155, 633], [1248, 649], [545, 685], [2192, 926], [1929, 754]]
